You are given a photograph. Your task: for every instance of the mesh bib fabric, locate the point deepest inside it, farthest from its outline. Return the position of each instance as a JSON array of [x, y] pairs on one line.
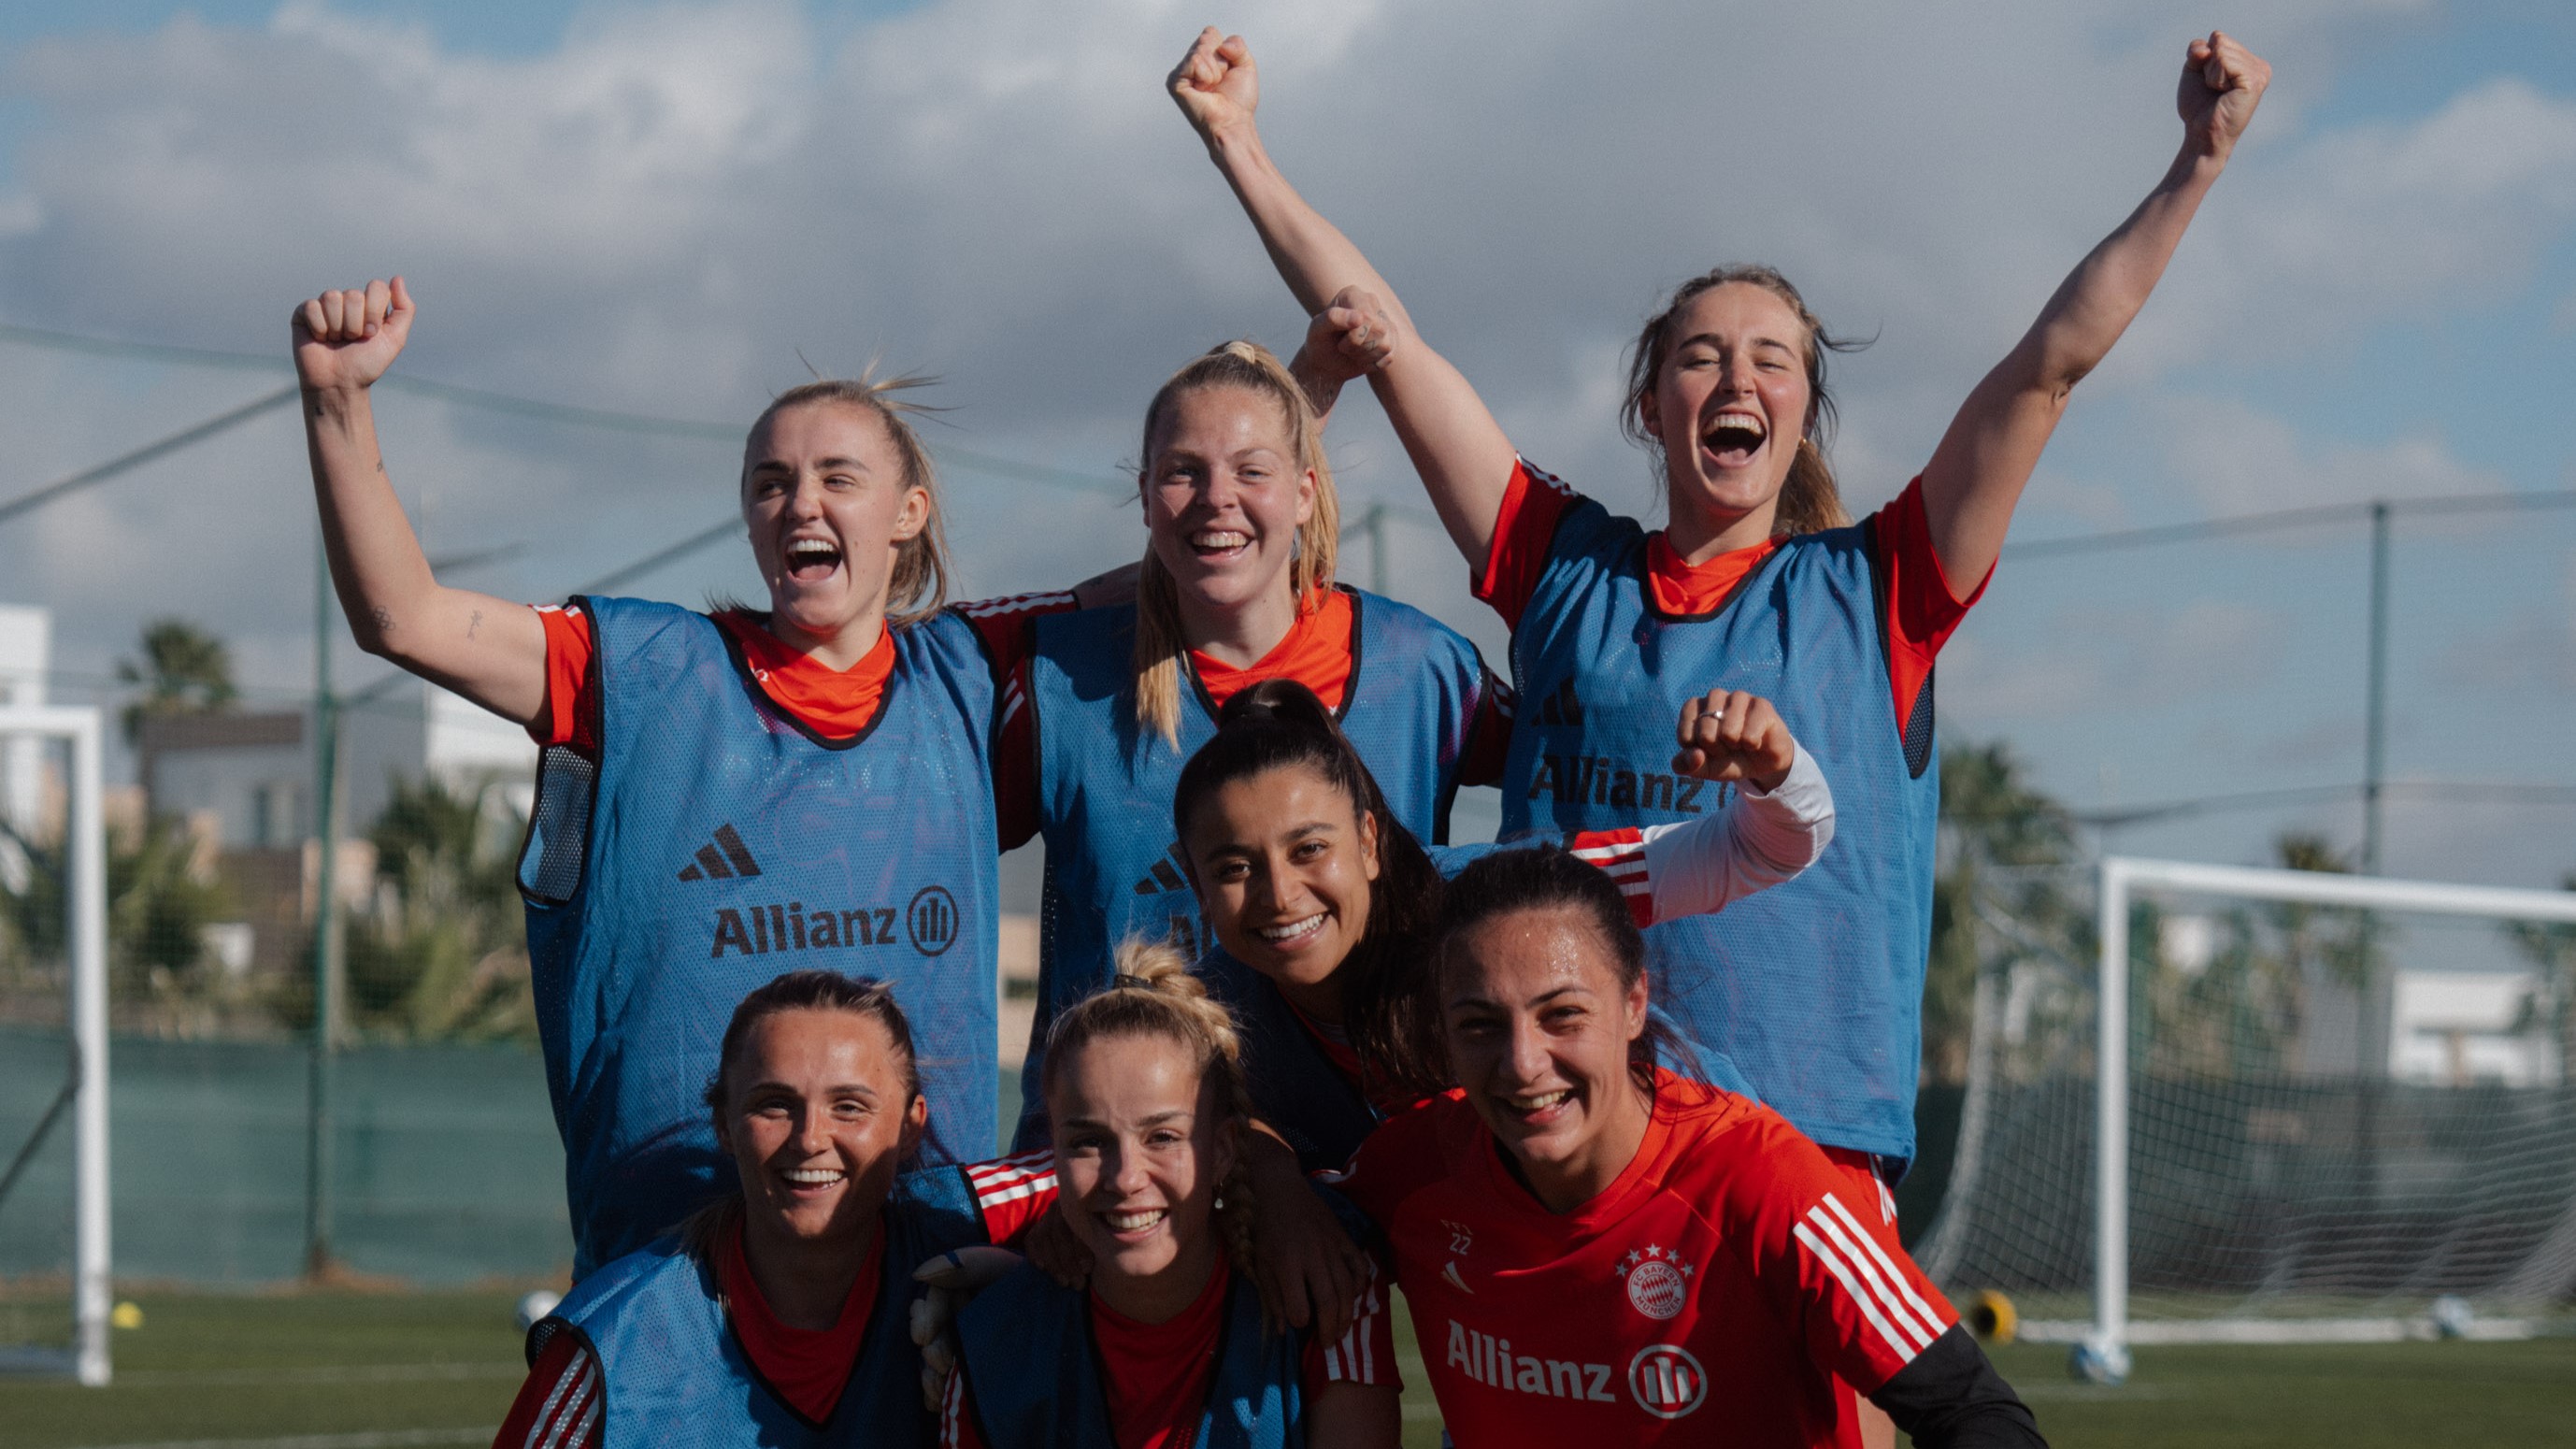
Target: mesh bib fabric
[[1026, 1345], [672, 1372], [1105, 791], [722, 847], [1813, 988]]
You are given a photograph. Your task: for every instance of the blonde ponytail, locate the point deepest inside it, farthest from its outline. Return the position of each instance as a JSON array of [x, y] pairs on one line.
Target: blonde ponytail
[[1154, 993], [1159, 642]]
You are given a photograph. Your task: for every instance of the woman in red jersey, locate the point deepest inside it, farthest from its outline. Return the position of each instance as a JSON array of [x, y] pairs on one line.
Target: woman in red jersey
[[775, 1316], [1597, 1251], [1165, 1348]]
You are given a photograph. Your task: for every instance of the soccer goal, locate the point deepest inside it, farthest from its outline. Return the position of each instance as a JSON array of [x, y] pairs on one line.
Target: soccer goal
[[2278, 1107], [54, 1290]]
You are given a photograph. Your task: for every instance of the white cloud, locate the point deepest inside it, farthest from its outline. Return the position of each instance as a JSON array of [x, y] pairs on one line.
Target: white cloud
[[659, 214], [2236, 460]]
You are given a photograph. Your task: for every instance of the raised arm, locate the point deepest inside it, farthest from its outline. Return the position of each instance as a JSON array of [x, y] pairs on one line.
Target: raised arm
[[1977, 473], [489, 650], [1359, 326]]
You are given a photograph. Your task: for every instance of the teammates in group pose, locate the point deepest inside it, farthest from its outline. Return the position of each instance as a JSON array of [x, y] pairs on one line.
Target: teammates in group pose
[[1246, 759], [1758, 582], [1100, 706]]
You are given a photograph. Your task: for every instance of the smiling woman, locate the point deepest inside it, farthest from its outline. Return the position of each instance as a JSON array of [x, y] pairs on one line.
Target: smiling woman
[[773, 1316], [1166, 1348], [1102, 705], [1595, 1250], [724, 797]]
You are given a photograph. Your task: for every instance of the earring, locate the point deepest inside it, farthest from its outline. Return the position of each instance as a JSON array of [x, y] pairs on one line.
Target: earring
[[1219, 1204]]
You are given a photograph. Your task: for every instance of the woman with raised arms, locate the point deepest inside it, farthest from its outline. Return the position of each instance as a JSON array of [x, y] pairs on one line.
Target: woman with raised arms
[[1100, 706], [776, 1316], [1598, 1251], [724, 797], [1165, 1347], [1758, 582]]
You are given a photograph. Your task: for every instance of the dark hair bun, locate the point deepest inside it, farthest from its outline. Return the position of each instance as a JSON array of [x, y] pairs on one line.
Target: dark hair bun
[[1278, 702]]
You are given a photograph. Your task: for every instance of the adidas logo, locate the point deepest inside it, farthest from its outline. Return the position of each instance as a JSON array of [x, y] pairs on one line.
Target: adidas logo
[[1561, 708], [734, 859], [1166, 874]]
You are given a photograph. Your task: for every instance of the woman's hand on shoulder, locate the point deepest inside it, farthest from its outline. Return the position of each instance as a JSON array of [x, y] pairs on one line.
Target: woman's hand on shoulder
[[1215, 85], [2222, 82], [346, 339], [1729, 735]]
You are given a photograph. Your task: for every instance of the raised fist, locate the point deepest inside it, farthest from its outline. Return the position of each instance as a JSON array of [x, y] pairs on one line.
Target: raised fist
[[1731, 735], [1214, 84], [347, 339], [1355, 329], [2222, 83]]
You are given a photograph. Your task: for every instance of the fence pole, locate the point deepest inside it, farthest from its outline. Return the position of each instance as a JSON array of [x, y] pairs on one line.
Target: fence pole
[[326, 780], [2111, 1120]]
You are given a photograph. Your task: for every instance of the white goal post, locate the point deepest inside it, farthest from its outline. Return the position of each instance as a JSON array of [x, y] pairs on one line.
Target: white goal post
[[86, 835], [2122, 878]]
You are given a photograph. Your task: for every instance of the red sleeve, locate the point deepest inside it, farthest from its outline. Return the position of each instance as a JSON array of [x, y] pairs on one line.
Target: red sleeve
[[558, 1407], [1363, 1355], [1621, 855], [572, 714], [1013, 1192], [1532, 504], [1826, 1257], [1489, 738], [1922, 605], [1007, 628], [956, 1421]]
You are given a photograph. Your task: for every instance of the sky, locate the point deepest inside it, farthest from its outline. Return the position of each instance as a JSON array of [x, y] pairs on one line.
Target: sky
[[676, 210]]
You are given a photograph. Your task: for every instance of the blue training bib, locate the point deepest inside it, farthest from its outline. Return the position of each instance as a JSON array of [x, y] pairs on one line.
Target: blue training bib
[[673, 1373], [721, 845], [1113, 868], [1034, 1378], [1813, 988]]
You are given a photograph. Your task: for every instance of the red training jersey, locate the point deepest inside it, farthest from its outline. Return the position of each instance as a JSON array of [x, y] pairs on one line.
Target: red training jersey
[[833, 703], [1155, 1376], [1319, 652], [1713, 1293], [1922, 608]]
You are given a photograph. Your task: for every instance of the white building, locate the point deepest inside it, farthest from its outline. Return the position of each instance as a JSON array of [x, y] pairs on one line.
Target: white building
[[26, 653]]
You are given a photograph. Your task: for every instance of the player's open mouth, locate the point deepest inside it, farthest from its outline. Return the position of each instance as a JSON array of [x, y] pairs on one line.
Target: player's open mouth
[[813, 1179], [1538, 1109], [1733, 437], [810, 560], [1135, 1224], [1218, 545], [1295, 933]]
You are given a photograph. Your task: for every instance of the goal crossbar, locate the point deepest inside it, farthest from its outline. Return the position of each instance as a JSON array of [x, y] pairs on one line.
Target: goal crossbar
[[2121, 877], [85, 833]]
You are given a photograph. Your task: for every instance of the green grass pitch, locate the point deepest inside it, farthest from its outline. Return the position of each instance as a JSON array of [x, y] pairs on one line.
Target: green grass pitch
[[396, 1370]]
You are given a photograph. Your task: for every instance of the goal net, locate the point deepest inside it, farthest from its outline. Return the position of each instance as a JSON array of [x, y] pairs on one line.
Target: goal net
[[54, 1291], [2277, 1106]]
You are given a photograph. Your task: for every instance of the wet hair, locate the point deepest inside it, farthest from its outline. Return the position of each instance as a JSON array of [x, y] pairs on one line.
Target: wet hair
[[1387, 1005], [1154, 994], [1159, 645], [918, 586], [1548, 878], [863, 996], [1809, 500]]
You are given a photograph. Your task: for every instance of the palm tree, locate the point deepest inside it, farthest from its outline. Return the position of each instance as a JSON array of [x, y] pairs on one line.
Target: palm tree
[[2005, 846], [184, 670]]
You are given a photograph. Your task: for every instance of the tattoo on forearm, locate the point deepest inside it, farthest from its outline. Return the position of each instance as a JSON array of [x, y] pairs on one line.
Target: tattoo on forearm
[[384, 618], [474, 623]]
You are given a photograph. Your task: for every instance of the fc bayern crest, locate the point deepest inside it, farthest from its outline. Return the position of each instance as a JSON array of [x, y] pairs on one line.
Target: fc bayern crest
[[1658, 1282]]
